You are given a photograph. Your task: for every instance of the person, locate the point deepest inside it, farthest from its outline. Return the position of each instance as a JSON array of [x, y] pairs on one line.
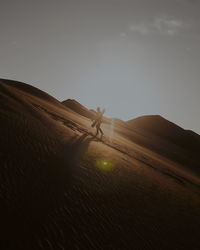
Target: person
[[97, 122]]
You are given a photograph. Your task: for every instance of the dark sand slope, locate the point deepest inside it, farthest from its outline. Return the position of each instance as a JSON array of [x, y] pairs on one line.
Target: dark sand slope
[[56, 192]]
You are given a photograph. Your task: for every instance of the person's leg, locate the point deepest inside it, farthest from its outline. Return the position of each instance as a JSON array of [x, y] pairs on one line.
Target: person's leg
[[97, 127], [94, 123], [101, 132]]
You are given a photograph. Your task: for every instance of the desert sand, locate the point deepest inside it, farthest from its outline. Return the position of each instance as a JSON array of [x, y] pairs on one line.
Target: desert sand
[[62, 188]]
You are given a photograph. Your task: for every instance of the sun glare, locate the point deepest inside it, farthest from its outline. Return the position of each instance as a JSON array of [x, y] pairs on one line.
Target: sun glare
[[104, 165]]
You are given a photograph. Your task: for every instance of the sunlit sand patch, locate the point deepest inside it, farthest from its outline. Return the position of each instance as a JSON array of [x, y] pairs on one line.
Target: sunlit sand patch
[[111, 130]]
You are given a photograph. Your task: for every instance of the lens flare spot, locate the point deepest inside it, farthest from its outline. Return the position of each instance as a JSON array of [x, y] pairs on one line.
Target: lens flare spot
[[104, 165]]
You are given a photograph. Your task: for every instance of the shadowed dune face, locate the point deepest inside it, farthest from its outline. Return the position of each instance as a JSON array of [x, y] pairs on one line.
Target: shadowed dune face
[[167, 139], [62, 188], [159, 126]]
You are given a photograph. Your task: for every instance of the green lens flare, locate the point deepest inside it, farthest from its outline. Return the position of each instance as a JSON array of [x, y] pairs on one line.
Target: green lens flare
[[105, 165]]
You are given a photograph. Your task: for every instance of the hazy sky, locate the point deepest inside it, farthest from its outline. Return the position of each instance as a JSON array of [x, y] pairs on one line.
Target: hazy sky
[[133, 57]]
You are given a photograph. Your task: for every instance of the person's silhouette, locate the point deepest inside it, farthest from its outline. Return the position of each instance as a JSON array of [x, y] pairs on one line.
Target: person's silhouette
[[97, 122]]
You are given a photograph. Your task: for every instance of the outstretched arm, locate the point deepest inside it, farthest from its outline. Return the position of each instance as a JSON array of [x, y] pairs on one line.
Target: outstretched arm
[[103, 111]]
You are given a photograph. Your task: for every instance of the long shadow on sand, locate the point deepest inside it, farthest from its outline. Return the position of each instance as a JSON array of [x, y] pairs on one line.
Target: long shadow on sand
[[77, 150]]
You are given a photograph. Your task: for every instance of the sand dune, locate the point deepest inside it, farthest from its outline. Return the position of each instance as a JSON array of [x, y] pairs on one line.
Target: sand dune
[[61, 188], [83, 111], [78, 108], [158, 126], [167, 139]]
